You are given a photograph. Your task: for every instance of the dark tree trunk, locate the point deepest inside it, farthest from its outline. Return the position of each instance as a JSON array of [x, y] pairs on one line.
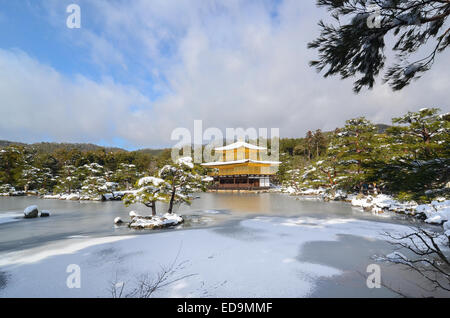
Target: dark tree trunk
[[153, 208], [172, 198], [152, 205]]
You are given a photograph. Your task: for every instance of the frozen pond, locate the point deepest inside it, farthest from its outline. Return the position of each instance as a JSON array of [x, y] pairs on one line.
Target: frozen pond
[[232, 245], [85, 218]]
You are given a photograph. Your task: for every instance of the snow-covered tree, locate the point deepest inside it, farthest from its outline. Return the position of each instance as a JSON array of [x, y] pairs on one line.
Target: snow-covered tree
[[355, 46], [95, 180], [149, 190], [351, 147], [98, 186], [174, 184], [182, 181], [68, 179], [7, 188], [423, 134], [419, 164], [126, 175], [11, 164], [31, 178]]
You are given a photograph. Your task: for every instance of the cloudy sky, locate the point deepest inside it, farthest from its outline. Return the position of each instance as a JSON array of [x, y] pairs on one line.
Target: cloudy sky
[[136, 70]]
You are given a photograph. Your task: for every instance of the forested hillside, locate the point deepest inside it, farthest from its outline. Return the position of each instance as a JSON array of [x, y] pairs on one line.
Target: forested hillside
[[63, 168], [410, 159]]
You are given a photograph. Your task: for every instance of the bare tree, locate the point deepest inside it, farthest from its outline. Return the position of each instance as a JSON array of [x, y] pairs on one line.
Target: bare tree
[[428, 258], [148, 284]]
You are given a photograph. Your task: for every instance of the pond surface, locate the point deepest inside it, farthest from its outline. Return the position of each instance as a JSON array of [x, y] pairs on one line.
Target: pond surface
[[302, 248], [85, 218]]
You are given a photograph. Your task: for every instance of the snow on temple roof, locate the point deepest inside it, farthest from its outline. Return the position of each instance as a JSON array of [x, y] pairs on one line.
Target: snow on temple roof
[[239, 144], [220, 163]]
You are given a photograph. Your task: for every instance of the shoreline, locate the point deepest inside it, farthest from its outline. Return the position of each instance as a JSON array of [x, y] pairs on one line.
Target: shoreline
[[437, 212]]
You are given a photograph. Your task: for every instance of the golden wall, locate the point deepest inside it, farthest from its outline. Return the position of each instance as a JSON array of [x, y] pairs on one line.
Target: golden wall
[[246, 168], [240, 154]]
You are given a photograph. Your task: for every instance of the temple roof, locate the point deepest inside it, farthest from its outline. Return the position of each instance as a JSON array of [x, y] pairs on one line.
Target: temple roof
[[221, 163], [239, 144]]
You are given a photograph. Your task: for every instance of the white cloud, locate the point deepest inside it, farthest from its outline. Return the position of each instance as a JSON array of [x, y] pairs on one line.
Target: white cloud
[[244, 69], [230, 63], [39, 103]]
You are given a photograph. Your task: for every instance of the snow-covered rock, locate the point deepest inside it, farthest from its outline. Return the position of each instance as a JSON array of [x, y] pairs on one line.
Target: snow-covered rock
[[108, 197], [364, 202], [155, 222], [381, 202], [132, 214], [51, 196], [112, 196], [312, 191], [73, 197], [118, 221], [31, 212], [45, 213], [447, 228], [437, 212], [17, 193], [439, 217], [289, 190]]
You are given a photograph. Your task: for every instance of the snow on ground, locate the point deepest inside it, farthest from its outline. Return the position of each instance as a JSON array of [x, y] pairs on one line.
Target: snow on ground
[[37, 255], [437, 212], [77, 196], [447, 228], [257, 257], [10, 217], [51, 196]]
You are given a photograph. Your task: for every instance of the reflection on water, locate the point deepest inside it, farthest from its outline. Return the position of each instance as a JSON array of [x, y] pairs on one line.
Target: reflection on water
[[74, 218]]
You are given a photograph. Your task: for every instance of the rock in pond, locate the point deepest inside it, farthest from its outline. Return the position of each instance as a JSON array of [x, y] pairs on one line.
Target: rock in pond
[[45, 213], [31, 212], [118, 221], [155, 222], [133, 214]]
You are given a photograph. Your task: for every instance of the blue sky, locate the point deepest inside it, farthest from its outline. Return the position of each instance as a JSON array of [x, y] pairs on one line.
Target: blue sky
[[136, 70]]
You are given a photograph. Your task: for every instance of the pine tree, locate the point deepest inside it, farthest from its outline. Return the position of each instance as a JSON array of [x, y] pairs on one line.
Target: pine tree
[[319, 142], [421, 134], [182, 181], [357, 47], [31, 178], [174, 184], [12, 162], [149, 190], [68, 179], [351, 150], [309, 144], [419, 165], [126, 175]]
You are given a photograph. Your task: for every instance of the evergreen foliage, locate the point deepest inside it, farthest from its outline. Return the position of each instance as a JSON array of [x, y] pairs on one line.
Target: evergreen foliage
[[410, 159], [355, 45]]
